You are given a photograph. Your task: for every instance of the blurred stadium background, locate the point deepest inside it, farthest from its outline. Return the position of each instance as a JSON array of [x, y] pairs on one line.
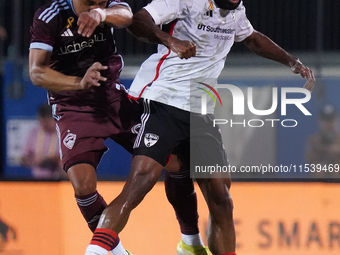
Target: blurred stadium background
[[274, 214]]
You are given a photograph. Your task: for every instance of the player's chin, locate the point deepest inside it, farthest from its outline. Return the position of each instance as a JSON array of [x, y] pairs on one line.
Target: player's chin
[[227, 4], [233, 4]]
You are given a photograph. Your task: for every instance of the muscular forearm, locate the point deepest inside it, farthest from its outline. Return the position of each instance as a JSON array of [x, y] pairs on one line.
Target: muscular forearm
[[43, 76], [118, 17], [47, 78], [265, 47], [144, 28]]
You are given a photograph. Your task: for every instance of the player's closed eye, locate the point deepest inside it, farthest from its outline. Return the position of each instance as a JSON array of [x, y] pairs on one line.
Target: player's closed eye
[[101, 4]]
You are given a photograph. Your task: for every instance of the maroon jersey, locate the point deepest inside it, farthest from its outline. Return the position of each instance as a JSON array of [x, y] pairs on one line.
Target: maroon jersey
[[55, 29]]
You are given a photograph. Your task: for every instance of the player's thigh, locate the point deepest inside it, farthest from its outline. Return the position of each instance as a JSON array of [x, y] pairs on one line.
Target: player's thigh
[[125, 121], [81, 129], [208, 158], [180, 158], [174, 164], [125, 114], [161, 131]]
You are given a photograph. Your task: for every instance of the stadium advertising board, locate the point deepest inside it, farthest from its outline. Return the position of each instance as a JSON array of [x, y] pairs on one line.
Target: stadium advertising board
[[271, 218]]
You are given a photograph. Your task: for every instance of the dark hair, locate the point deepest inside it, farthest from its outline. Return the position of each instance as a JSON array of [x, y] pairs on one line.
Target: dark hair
[[44, 111]]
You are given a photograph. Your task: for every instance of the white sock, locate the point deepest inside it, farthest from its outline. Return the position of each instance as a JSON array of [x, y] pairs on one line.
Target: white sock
[[95, 250], [118, 250], [193, 240]]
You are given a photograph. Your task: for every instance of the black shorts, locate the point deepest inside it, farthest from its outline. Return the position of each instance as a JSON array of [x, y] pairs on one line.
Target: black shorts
[[169, 130]]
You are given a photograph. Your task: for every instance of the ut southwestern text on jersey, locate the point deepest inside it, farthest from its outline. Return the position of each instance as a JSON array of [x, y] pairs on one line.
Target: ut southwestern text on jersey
[[215, 29]]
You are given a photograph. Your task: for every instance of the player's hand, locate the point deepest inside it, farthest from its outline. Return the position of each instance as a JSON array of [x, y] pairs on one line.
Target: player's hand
[[184, 49], [93, 76], [306, 73], [87, 22]]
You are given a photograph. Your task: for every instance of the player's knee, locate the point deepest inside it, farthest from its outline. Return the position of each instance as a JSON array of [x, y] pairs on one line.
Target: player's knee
[[144, 174], [175, 165], [83, 189], [83, 179]]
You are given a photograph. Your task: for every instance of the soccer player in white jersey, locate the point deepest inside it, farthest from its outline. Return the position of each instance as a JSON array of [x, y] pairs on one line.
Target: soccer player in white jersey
[[192, 51]]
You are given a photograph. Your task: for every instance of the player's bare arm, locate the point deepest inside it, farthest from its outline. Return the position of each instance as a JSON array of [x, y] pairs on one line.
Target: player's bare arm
[[265, 47], [119, 16], [43, 76], [144, 28]]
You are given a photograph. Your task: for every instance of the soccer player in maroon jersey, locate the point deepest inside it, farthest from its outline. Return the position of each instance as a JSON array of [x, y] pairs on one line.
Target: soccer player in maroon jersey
[[73, 56]]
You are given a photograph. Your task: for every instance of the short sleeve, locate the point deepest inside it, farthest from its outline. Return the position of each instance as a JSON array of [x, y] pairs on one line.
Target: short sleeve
[[243, 25], [42, 34], [165, 11]]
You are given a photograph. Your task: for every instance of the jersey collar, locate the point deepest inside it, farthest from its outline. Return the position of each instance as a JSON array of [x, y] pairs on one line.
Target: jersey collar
[[71, 4]]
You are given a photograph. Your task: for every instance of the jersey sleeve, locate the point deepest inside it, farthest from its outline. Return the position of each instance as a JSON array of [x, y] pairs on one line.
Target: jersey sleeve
[[42, 33], [243, 25], [117, 2], [165, 11]]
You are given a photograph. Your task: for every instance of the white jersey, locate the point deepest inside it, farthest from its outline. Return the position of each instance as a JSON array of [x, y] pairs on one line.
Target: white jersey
[[166, 78]]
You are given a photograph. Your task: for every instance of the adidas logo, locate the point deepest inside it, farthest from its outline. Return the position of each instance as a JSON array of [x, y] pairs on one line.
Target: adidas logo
[[211, 9], [209, 13], [67, 33]]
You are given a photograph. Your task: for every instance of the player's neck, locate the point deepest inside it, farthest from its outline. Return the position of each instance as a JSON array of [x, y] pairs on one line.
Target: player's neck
[[77, 7]]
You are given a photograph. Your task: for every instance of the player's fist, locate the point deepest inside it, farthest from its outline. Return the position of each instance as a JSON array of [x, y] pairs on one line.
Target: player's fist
[[87, 22], [184, 49], [306, 73]]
